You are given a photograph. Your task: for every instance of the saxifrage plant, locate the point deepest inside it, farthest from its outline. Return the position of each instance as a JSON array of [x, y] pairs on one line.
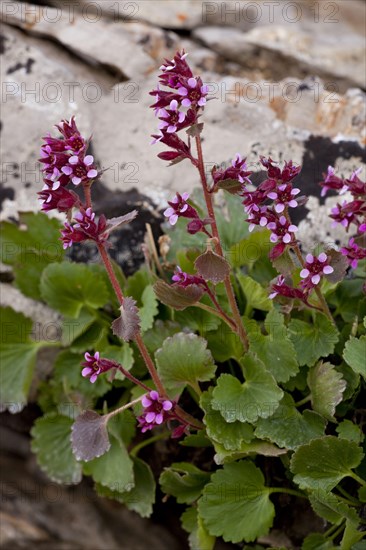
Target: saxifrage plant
[[255, 351]]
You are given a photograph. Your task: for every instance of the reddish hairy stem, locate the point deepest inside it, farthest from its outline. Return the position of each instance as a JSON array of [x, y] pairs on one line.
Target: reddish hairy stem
[[218, 248], [87, 195]]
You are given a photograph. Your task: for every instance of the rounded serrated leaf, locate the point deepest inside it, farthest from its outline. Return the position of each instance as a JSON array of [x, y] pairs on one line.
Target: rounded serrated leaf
[[236, 504], [324, 462], [89, 437], [212, 267]]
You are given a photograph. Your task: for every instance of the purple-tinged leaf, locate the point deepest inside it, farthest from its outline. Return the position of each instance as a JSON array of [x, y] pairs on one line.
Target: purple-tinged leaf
[[89, 437], [195, 130], [212, 267], [127, 325], [178, 297], [231, 185], [115, 223], [339, 263]]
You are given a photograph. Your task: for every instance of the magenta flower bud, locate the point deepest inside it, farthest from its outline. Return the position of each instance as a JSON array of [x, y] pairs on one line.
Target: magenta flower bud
[[354, 253]]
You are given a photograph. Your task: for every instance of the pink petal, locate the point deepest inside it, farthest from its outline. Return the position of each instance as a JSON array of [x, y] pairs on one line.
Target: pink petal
[[93, 378], [293, 228], [167, 405], [273, 238], [292, 204], [315, 279], [154, 395], [171, 129], [304, 273], [185, 196], [192, 82], [279, 208], [184, 208], [286, 238], [272, 295], [146, 402], [76, 180], [89, 159], [74, 159], [309, 258], [295, 191], [173, 105], [150, 417], [169, 211], [182, 91], [86, 371], [186, 102], [92, 174], [272, 195], [66, 170], [322, 257], [328, 269], [159, 418]]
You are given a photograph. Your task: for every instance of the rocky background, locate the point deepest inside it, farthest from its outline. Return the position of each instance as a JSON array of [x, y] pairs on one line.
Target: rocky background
[[288, 80]]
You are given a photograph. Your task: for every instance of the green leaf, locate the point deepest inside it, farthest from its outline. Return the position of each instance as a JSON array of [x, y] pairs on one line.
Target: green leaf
[[224, 344], [229, 435], [255, 447], [184, 481], [355, 354], [327, 387], [351, 536], [328, 506], [17, 359], [249, 250], [276, 349], [67, 375], [139, 498], [184, 359], [313, 340], [123, 426], [114, 469], [149, 309], [256, 295], [236, 504], [51, 443], [316, 541], [67, 287], [199, 538], [257, 397], [288, 428], [230, 230], [29, 247], [348, 430], [324, 462], [73, 328], [95, 337]]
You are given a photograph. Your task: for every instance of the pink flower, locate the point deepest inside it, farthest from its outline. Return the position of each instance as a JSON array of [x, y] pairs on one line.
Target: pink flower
[[237, 171], [280, 288], [354, 253], [156, 411], [315, 268], [85, 229], [194, 92], [289, 171], [81, 170], [282, 230], [171, 119], [284, 196], [179, 207], [331, 181], [181, 278], [94, 366], [55, 197]]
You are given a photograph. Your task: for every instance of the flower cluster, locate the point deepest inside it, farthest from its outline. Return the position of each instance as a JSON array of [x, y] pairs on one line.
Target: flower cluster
[[354, 253], [180, 208], [85, 229], [94, 366], [183, 279], [237, 171], [156, 411], [281, 288], [178, 106], [348, 212], [314, 269], [278, 189], [65, 162]]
